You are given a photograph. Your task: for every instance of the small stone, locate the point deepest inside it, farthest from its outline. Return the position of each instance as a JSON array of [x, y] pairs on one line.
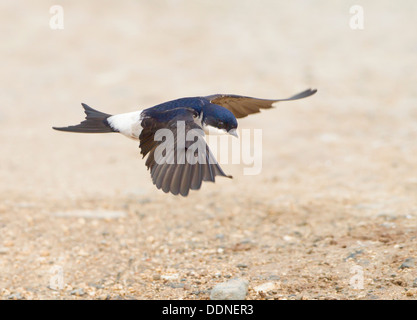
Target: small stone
[[415, 283], [95, 285], [242, 246], [410, 293], [353, 255], [408, 263], [77, 292], [170, 276], [266, 287], [176, 285], [44, 253], [399, 282], [15, 296], [83, 253], [156, 277], [242, 266], [8, 243], [235, 289], [288, 238]]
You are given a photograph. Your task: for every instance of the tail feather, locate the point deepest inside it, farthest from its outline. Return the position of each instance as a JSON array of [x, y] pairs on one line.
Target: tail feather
[[95, 122]]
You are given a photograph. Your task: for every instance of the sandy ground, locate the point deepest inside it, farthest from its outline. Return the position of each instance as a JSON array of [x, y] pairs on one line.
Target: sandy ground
[[336, 198]]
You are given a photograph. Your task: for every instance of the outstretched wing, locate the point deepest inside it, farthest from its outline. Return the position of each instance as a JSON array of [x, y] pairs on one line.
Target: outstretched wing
[[177, 163], [242, 106]]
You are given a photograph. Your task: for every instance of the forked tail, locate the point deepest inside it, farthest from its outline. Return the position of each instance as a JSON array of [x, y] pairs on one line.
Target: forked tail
[[95, 122]]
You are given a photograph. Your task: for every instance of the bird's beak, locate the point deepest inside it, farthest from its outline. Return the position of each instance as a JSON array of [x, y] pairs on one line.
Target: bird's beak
[[233, 132]]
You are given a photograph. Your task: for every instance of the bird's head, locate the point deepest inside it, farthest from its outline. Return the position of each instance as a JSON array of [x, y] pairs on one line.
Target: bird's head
[[220, 118]]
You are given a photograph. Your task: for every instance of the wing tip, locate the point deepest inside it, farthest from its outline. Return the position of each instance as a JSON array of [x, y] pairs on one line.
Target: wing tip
[[306, 93], [301, 95], [60, 128]]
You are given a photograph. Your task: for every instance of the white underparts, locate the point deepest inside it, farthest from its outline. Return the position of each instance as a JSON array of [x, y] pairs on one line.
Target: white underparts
[[210, 130], [128, 124]]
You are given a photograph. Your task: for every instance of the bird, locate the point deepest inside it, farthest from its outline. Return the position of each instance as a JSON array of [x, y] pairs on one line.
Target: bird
[[195, 115]]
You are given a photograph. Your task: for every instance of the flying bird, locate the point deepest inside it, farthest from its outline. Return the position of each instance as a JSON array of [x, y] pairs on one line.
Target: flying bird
[[193, 114]]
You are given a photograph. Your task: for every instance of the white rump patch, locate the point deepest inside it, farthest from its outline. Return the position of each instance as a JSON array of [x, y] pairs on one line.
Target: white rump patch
[[127, 124]]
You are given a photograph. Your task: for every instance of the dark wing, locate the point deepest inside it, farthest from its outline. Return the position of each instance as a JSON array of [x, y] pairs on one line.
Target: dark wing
[[177, 165], [242, 106]]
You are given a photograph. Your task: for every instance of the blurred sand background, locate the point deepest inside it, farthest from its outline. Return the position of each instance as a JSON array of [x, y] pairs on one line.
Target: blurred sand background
[[339, 181]]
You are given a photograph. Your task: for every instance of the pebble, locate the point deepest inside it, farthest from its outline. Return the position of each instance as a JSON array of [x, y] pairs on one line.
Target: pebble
[[77, 292], [235, 289], [15, 296], [266, 287], [95, 285], [408, 263], [410, 293], [44, 253], [170, 276], [353, 255], [8, 243], [176, 285], [287, 238]]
